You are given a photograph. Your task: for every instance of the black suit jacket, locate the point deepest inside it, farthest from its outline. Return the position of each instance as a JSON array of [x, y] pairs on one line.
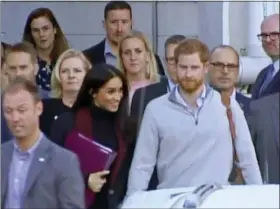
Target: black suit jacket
[[264, 126], [140, 100], [273, 86], [95, 55]]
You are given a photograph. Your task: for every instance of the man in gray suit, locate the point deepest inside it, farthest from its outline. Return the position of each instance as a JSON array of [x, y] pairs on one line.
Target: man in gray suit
[[35, 173], [264, 125]]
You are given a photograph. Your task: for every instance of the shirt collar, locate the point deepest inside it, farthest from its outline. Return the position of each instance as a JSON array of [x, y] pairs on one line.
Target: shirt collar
[[199, 100], [171, 84], [31, 149], [108, 50]]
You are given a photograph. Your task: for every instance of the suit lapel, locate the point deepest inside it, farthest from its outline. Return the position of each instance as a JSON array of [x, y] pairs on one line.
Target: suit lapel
[[6, 159], [259, 82], [102, 49], [40, 158], [271, 85]]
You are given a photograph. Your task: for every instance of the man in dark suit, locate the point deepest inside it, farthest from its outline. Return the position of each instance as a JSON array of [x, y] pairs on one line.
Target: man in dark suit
[[144, 95], [223, 73], [264, 126], [35, 173], [117, 23], [268, 80]]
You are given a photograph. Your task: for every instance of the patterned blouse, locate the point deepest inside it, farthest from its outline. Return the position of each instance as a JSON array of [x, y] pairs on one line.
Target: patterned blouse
[[43, 77]]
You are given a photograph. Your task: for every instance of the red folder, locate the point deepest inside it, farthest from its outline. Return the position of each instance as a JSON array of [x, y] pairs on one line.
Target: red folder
[[93, 157]]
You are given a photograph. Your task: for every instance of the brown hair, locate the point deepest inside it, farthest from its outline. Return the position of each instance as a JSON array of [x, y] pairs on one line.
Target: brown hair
[[23, 47], [20, 83], [116, 5], [191, 46], [60, 42]]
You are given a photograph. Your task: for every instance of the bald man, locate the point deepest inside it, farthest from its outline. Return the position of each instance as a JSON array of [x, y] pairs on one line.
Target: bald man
[[268, 80], [223, 74]]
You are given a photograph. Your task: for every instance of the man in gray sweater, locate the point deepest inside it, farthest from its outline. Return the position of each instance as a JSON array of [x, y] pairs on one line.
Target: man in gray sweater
[[186, 133]]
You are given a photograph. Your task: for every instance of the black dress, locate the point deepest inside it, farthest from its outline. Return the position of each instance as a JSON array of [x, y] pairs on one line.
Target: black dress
[[104, 132], [52, 108]]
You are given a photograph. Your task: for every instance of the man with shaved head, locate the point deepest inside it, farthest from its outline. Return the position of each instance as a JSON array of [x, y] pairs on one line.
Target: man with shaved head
[[268, 80], [223, 73]]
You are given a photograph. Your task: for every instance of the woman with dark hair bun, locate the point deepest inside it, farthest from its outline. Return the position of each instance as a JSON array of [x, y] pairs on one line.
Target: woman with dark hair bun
[[101, 106], [43, 31]]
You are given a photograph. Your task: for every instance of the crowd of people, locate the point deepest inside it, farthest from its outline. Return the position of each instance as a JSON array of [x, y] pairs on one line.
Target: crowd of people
[[179, 126]]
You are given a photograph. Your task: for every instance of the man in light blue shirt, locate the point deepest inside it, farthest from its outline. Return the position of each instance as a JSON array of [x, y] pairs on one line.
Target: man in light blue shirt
[[19, 169]]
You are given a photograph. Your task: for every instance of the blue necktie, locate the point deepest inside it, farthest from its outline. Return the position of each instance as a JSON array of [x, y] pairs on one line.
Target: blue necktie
[[268, 78]]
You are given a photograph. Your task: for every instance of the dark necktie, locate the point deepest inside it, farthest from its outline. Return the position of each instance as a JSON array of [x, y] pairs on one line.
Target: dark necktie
[[268, 78]]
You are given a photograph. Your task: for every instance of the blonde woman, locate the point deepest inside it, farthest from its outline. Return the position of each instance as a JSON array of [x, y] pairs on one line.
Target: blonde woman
[[136, 59], [66, 80]]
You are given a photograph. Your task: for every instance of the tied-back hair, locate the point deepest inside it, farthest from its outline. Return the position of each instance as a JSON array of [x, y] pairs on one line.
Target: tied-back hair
[[60, 42], [95, 79], [152, 69], [55, 78]]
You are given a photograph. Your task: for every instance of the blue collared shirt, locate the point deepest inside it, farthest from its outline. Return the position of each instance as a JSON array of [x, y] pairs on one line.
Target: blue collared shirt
[[109, 55], [19, 168], [199, 101]]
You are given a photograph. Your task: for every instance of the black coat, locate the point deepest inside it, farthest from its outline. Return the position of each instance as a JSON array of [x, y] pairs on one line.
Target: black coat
[[116, 190]]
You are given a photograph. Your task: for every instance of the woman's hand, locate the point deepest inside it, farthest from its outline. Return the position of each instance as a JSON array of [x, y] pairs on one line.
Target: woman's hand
[[97, 180]]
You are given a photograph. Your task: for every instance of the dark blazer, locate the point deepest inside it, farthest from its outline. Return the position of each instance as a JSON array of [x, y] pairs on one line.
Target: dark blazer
[[95, 55], [264, 126], [140, 100], [143, 96], [244, 103], [52, 108], [273, 86], [54, 181]]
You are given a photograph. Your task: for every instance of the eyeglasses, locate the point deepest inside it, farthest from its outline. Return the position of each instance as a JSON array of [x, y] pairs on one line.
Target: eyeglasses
[[272, 36], [222, 66]]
